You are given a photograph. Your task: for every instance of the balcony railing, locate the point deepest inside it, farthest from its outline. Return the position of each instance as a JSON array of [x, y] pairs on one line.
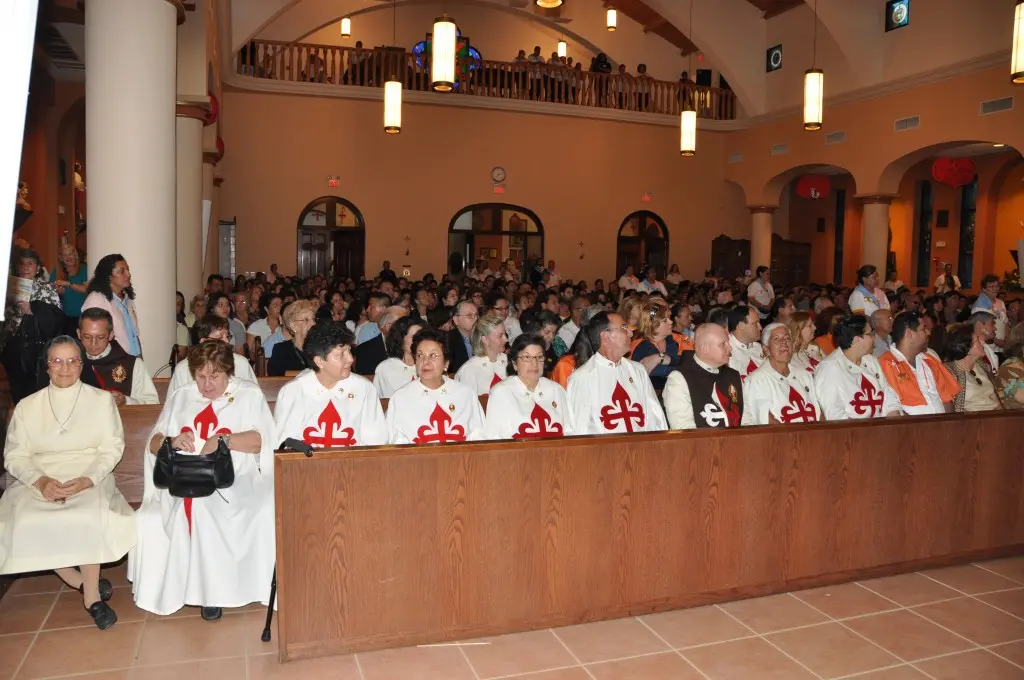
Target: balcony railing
[[332, 65]]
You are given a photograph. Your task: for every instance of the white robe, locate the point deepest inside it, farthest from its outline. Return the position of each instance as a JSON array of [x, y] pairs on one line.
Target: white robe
[[93, 526], [348, 414], [789, 399], [183, 377], [390, 375], [481, 374], [226, 557], [419, 415], [847, 391], [606, 397], [745, 359], [514, 412], [807, 359]]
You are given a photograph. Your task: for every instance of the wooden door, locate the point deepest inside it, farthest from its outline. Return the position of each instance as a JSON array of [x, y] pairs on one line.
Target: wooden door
[[730, 257], [313, 252], [628, 255], [349, 254]]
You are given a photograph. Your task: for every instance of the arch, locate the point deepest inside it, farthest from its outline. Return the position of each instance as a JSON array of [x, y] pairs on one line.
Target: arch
[[642, 240], [772, 192], [892, 174], [331, 239], [492, 233]]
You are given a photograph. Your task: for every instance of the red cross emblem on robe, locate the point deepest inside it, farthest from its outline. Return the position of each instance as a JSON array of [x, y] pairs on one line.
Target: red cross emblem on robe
[[797, 410], [751, 367], [439, 429], [328, 431], [495, 380], [204, 426], [623, 411], [539, 426], [868, 400]]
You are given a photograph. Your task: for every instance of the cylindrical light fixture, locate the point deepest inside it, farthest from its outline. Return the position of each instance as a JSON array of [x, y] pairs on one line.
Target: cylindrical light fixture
[[1017, 56], [613, 18], [688, 133], [442, 63], [346, 28], [393, 107], [814, 95], [549, 4], [562, 48]]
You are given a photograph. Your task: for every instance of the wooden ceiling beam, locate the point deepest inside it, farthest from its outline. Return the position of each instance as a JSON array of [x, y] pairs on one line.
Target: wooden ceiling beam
[[656, 24]]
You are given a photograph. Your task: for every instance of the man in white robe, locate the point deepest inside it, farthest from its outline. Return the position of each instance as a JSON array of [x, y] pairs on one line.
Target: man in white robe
[[849, 382], [610, 393], [744, 333], [776, 393], [108, 367], [211, 327]]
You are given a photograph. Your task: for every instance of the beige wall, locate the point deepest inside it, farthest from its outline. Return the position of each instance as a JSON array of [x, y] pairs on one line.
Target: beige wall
[[581, 177]]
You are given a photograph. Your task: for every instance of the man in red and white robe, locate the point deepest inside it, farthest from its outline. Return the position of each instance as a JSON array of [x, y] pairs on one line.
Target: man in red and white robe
[[346, 414], [744, 333], [611, 394], [849, 382]]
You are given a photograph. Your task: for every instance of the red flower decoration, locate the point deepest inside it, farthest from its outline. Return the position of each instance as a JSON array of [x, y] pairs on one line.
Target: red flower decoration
[[954, 172], [214, 113], [813, 187]]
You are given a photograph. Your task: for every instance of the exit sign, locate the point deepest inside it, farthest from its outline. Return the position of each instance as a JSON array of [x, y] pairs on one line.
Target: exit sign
[[645, 197], [499, 188], [333, 181]]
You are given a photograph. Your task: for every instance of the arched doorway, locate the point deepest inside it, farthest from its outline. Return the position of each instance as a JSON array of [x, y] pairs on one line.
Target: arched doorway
[[331, 239], [494, 233], [642, 240]]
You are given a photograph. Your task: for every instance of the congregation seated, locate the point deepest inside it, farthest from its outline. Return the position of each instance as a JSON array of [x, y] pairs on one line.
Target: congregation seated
[[400, 367], [460, 338], [489, 364], [526, 405], [211, 328], [370, 354], [849, 382], [108, 367], [705, 391], [964, 357], [915, 373], [658, 350], [63, 511], [287, 355], [779, 392], [216, 551]]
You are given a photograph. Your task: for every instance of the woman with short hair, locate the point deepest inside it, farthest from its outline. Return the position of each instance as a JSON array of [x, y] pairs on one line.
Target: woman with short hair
[[399, 369], [526, 405], [488, 365], [298, 319]]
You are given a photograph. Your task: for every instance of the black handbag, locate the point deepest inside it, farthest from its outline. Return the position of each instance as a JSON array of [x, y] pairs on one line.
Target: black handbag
[[186, 475]]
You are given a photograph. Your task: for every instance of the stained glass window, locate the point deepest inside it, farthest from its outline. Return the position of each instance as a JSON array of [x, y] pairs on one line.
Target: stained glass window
[[468, 55]]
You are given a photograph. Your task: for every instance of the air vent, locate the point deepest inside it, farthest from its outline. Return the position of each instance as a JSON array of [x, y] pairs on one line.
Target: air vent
[[60, 53], [736, 157], [780, 149], [908, 123], [835, 137], [996, 105]]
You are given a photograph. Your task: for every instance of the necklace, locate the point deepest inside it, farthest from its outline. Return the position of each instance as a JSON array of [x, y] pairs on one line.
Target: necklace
[[61, 427]]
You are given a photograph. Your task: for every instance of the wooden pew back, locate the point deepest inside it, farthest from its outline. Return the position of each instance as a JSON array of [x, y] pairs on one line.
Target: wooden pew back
[[270, 387]]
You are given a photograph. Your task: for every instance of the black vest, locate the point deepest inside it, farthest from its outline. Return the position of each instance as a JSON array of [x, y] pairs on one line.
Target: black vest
[[112, 373], [717, 398]]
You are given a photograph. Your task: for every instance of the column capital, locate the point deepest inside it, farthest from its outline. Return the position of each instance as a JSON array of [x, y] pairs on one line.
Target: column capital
[[755, 209], [178, 5], [196, 110], [882, 199], [217, 181], [210, 157]]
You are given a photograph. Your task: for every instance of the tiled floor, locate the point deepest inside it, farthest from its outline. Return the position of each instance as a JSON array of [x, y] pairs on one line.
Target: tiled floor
[[961, 623]]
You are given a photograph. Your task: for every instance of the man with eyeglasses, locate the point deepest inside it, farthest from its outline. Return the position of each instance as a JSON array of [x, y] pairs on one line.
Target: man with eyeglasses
[[460, 337], [210, 327], [609, 393], [108, 367], [923, 385], [498, 302], [849, 381]]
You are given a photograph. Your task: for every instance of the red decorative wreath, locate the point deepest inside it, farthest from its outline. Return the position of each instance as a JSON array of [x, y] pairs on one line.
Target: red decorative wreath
[[220, 149], [214, 113], [954, 172], [813, 187]]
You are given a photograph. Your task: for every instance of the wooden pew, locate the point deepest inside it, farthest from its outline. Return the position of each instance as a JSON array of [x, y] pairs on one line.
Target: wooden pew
[[395, 546], [270, 387]]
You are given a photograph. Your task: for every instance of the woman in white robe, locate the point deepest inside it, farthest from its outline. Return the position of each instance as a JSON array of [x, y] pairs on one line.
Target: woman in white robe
[[399, 369], [216, 551], [434, 409], [777, 393], [489, 365], [63, 510], [327, 405], [806, 355], [527, 405]]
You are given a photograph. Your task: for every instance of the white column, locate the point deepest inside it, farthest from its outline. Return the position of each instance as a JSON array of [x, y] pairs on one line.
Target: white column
[[761, 237], [875, 231], [210, 223], [130, 48], [189, 229]]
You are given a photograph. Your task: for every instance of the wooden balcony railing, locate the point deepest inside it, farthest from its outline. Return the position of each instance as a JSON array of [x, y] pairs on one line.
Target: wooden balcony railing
[[333, 65]]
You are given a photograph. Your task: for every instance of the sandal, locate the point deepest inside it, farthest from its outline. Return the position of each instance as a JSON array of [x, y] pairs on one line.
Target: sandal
[[102, 615], [106, 590]]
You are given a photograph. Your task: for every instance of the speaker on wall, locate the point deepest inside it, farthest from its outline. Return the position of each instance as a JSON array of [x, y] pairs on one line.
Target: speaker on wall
[[942, 219]]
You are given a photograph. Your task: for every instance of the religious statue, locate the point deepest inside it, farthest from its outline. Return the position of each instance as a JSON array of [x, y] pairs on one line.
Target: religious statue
[[23, 196]]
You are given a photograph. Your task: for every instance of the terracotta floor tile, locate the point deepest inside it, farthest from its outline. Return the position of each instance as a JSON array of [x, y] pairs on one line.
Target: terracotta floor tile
[[530, 652], [191, 639], [970, 665], [772, 613], [254, 645], [745, 660], [1013, 651], [210, 669], [80, 650], [910, 589], [328, 668], [667, 666], [24, 613], [69, 611], [415, 663], [699, 626], [42, 583], [576, 673], [970, 579], [831, 650], [1010, 567], [845, 600], [1011, 601], [898, 673], [606, 640], [975, 620], [120, 674], [907, 635], [12, 651], [117, 574]]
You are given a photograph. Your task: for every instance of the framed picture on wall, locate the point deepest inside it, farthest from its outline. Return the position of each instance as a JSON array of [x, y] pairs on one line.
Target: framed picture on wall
[[515, 241], [493, 253]]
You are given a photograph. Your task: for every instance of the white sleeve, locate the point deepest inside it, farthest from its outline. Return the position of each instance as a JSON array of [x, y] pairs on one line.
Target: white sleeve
[[832, 407], [678, 406], [143, 389], [395, 433], [890, 400], [180, 378], [374, 429], [378, 383], [475, 431], [578, 398], [494, 419], [755, 408], [108, 453], [284, 410], [655, 414]]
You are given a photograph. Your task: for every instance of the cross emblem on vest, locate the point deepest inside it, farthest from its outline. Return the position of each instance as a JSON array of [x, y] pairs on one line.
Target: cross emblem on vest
[[439, 429], [329, 431], [539, 426], [868, 401], [797, 410], [622, 411], [720, 412]]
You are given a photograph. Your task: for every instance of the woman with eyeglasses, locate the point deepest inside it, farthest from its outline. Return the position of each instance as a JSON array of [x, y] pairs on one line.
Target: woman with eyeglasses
[[63, 511], [433, 409], [526, 405], [656, 340], [287, 355]]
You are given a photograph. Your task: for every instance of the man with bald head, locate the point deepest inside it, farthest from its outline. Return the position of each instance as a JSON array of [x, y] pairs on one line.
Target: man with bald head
[[371, 353], [704, 391]]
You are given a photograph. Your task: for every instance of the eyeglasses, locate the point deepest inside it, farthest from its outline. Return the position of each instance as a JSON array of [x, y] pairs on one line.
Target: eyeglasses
[[535, 359], [433, 356], [305, 319], [469, 316], [500, 309], [624, 328], [70, 363]]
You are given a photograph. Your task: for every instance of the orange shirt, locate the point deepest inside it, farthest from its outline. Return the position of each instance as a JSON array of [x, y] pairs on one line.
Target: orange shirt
[[563, 369], [826, 343]]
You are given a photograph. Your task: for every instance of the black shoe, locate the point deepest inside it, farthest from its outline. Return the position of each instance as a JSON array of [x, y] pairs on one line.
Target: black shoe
[[106, 590], [102, 614], [211, 613]]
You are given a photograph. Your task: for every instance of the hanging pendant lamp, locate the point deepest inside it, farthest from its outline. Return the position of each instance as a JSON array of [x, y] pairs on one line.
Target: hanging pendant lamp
[[688, 119], [562, 48], [346, 28], [612, 19], [549, 4], [442, 63], [814, 86], [393, 89], [1017, 56]]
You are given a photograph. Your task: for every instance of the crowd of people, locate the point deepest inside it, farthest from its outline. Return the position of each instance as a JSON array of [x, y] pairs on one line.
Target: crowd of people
[[554, 357]]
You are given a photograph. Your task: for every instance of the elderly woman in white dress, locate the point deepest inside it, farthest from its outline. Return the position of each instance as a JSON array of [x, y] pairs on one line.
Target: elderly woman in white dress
[[526, 405], [216, 551], [63, 511], [399, 369], [489, 363]]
